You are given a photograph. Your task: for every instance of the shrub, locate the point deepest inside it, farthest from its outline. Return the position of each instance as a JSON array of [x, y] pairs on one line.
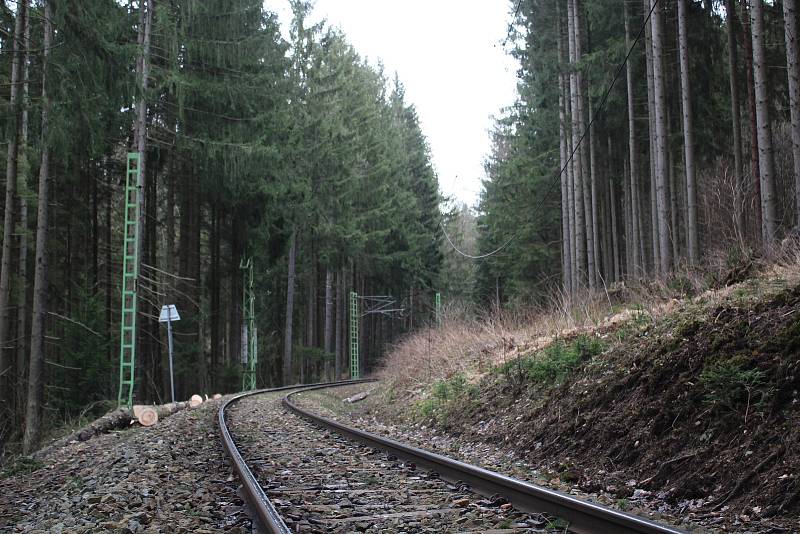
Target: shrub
[[734, 385]]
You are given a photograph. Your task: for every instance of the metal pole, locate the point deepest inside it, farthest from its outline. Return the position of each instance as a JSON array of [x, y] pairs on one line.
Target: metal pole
[[169, 343], [354, 364]]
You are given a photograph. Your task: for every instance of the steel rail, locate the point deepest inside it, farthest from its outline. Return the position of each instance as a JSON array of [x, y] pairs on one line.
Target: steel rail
[[262, 507], [584, 517]]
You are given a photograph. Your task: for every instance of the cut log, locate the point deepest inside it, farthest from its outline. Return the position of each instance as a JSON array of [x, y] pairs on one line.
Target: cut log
[[146, 415], [217, 396], [357, 397], [195, 401], [116, 420]]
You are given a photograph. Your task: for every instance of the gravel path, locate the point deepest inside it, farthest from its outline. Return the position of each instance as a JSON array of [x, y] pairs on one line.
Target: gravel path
[[320, 482], [169, 478]]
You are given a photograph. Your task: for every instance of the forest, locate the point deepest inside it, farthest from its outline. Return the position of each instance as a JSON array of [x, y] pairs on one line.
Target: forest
[[296, 155], [650, 140]]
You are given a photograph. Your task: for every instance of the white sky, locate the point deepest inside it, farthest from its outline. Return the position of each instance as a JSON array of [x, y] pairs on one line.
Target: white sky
[[450, 57]]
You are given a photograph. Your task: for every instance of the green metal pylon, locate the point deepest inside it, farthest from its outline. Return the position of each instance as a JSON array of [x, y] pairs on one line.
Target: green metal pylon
[[438, 308], [130, 273], [354, 368], [249, 310]]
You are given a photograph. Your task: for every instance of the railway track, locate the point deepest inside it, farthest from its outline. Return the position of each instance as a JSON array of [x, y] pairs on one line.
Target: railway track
[[304, 473]]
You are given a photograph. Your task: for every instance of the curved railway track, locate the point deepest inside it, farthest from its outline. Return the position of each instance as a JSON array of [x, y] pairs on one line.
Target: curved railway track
[[304, 473]]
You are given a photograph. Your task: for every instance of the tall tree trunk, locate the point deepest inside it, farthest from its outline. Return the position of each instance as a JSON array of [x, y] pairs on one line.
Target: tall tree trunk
[[287, 344], [17, 61], [586, 176], [675, 234], [595, 226], [793, 68], [311, 318], [614, 233], [766, 162], [736, 121], [633, 166], [35, 372], [755, 171], [661, 127], [340, 325], [577, 194], [651, 114], [327, 338], [571, 206], [566, 243], [23, 171], [627, 210], [145, 21], [688, 137], [216, 297]]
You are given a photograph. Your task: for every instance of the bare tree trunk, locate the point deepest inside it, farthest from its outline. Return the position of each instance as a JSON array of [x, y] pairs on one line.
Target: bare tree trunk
[[793, 68], [614, 232], [23, 171], [672, 180], [17, 61], [755, 171], [688, 137], [571, 206], [340, 314], [660, 104], [651, 114], [766, 162], [328, 331], [736, 121], [574, 80], [633, 166], [594, 199], [627, 219], [287, 344], [586, 177], [35, 372], [566, 243], [146, 18]]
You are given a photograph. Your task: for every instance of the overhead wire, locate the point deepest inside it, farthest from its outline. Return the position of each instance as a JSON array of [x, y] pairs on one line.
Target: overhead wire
[[594, 117]]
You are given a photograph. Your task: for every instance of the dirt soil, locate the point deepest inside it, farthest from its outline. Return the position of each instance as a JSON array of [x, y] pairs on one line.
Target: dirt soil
[[696, 411]]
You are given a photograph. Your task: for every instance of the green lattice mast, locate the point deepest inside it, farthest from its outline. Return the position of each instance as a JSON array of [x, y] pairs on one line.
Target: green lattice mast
[[249, 310], [130, 273], [354, 369], [438, 308]]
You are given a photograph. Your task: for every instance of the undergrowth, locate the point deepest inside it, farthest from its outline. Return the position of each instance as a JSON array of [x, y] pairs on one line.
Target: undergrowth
[[554, 363], [733, 386]]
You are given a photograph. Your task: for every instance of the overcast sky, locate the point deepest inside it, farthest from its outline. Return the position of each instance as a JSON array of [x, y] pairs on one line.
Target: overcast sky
[[450, 57]]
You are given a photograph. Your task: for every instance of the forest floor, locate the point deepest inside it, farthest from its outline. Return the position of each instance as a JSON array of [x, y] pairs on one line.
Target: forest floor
[[168, 478], [688, 411]]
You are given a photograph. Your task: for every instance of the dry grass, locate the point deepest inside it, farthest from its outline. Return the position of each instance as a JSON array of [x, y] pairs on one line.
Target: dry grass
[[471, 347]]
